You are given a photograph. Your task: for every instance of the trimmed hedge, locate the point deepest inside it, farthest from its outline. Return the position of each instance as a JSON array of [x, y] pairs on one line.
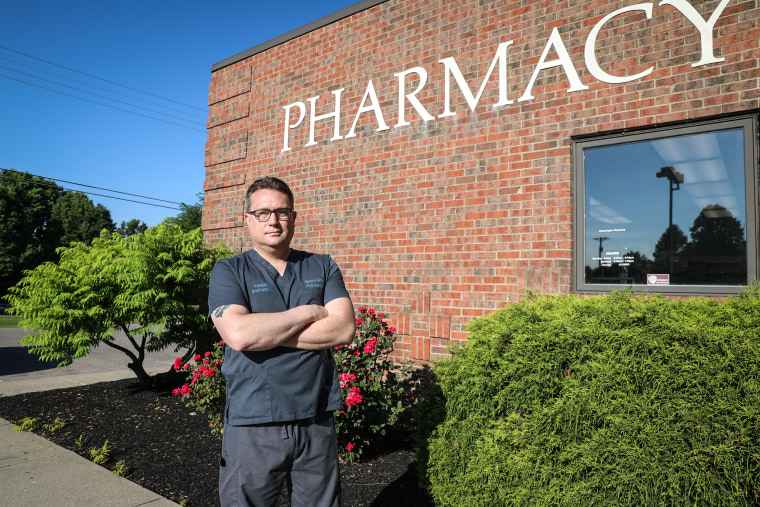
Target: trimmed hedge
[[608, 400]]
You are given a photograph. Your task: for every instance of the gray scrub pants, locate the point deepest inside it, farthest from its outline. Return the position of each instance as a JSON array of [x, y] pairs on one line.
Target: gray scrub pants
[[257, 459]]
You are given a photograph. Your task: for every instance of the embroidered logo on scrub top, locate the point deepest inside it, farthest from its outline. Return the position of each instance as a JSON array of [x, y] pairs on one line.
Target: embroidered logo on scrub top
[[315, 283], [259, 287]]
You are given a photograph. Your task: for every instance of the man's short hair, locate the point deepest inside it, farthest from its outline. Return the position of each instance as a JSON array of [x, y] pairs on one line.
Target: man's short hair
[[268, 182]]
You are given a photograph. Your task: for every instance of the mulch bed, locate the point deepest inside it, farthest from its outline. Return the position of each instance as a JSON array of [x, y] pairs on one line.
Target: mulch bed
[[172, 452]]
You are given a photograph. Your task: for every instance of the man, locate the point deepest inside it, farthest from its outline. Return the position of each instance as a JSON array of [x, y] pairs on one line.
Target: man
[[279, 311]]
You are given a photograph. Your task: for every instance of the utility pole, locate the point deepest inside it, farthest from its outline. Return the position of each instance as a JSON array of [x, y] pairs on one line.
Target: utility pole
[[601, 267]]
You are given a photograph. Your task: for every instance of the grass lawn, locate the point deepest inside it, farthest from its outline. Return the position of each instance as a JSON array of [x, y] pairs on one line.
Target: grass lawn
[[9, 320]]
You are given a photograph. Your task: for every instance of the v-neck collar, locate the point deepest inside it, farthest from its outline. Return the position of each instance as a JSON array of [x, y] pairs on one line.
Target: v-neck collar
[[287, 272]]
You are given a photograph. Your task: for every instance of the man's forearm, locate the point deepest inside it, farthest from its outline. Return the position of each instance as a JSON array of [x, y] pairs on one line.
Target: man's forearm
[[263, 331]]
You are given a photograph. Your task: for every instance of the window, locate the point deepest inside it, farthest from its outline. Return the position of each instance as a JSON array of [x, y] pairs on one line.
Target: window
[[668, 210]]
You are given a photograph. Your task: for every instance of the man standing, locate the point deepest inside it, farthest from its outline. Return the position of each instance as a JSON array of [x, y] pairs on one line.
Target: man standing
[[279, 311]]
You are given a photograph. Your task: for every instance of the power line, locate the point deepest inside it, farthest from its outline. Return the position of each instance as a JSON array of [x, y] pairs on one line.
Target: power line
[[101, 104], [98, 95], [88, 186], [99, 87], [106, 189], [101, 79], [93, 193]]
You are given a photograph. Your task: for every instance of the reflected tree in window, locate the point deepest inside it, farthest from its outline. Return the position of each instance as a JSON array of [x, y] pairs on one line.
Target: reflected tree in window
[[662, 251], [717, 251]]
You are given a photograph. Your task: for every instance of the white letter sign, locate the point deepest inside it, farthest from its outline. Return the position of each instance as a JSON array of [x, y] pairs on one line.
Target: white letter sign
[[314, 118], [564, 60], [453, 69], [705, 28], [373, 107], [411, 97], [589, 52], [288, 126]]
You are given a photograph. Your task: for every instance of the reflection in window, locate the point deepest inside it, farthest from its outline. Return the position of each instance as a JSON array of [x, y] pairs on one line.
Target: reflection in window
[[668, 208]]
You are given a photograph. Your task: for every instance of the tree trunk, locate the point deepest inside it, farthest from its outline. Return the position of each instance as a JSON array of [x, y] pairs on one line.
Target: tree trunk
[[145, 379]]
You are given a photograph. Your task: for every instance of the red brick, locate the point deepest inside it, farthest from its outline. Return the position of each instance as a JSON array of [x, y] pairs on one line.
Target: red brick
[[439, 222]]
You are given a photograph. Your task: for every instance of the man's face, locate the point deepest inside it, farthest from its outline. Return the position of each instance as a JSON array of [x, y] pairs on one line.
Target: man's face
[[273, 234]]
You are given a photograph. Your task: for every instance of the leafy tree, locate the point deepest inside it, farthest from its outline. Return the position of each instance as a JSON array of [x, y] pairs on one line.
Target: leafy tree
[[38, 217], [190, 216], [152, 287], [176, 266], [76, 218], [26, 240], [131, 228]]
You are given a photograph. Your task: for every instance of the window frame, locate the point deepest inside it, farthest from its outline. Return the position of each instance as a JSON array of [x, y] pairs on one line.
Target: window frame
[[749, 126]]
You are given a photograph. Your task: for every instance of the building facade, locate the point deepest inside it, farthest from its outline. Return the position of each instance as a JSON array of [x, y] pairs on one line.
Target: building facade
[[452, 155]]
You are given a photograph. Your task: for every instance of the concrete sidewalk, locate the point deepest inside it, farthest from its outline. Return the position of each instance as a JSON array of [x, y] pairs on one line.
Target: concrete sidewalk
[[34, 472]]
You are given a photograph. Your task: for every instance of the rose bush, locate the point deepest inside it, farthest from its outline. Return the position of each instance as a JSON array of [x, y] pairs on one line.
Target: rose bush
[[369, 384], [368, 380], [205, 389]]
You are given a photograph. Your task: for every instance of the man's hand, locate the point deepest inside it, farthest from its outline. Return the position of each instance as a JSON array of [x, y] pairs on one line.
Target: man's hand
[[336, 329]]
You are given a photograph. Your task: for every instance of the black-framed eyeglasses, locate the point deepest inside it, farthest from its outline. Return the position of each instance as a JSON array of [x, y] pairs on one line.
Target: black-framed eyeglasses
[[262, 215]]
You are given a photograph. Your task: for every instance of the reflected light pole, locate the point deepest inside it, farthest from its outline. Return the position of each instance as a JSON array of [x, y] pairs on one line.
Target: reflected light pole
[[675, 178]]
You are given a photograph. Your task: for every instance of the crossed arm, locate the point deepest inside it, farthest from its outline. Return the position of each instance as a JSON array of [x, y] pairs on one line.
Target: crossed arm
[[311, 327]]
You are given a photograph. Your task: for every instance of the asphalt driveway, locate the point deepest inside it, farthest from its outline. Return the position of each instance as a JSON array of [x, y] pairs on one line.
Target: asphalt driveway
[[103, 362]]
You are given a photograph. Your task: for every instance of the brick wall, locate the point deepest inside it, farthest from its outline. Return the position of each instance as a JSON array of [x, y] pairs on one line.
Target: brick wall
[[438, 222]]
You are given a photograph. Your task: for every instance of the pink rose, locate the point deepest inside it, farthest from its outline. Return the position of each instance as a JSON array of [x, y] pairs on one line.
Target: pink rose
[[181, 391], [353, 398], [369, 347]]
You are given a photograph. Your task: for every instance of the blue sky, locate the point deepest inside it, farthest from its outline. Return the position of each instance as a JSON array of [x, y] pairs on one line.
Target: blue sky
[[164, 47]]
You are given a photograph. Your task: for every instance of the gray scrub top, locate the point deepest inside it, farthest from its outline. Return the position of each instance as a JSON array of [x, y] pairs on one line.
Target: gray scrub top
[[282, 384]]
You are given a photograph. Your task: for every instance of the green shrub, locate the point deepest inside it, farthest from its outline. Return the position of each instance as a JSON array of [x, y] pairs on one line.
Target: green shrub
[[607, 400]]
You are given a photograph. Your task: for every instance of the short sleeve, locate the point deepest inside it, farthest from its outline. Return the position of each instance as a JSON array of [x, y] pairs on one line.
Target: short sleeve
[[335, 288], [225, 288]]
